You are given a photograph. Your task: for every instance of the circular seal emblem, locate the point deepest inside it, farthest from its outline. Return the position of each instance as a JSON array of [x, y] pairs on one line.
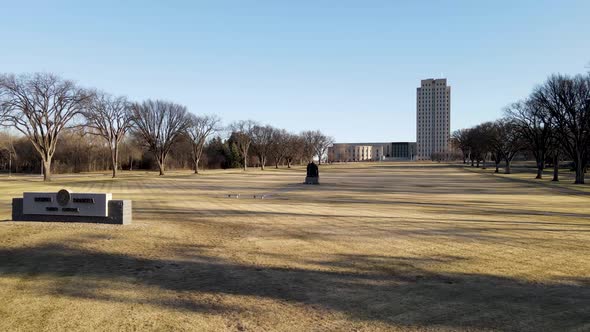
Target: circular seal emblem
[[63, 197]]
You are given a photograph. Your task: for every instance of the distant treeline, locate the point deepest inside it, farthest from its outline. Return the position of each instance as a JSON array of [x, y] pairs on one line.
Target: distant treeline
[[56, 126], [79, 152], [552, 124]]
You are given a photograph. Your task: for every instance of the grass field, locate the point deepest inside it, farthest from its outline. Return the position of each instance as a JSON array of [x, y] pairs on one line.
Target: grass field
[[390, 246]]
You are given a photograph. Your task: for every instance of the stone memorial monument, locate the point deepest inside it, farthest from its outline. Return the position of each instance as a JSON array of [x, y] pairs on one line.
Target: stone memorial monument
[[67, 206], [313, 174]]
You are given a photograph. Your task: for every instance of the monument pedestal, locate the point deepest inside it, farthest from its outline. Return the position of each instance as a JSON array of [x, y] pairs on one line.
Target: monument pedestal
[[313, 174], [66, 206], [312, 180]]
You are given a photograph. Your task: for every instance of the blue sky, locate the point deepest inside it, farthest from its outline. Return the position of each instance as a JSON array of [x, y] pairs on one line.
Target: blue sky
[[349, 68]]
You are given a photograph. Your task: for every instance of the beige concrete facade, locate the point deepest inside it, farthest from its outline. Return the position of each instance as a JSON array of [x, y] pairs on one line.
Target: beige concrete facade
[[354, 152], [433, 117], [347, 152]]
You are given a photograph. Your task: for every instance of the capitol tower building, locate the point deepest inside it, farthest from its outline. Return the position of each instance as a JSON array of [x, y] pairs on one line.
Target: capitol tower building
[[433, 118]]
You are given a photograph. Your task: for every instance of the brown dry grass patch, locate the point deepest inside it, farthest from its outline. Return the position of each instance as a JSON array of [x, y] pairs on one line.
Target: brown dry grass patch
[[389, 246]]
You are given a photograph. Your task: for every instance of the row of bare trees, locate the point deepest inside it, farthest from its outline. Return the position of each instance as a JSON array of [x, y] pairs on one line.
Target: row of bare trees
[[551, 124], [267, 142], [43, 106]]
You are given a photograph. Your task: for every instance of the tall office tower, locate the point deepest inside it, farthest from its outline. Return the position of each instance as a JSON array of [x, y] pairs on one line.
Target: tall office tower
[[433, 118]]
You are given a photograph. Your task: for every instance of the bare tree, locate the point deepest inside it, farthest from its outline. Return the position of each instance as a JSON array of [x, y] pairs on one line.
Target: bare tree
[[496, 155], [242, 133], [110, 118], [468, 142], [556, 154], [316, 143], [40, 106], [159, 124], [310, 143], [505, 141], [131, 149], [199, 129], [279, 146], [460, 140], [496, 152], [535, 126], [568, 101], [4, 108], [480, 138], [294, 148], [322, 148], [7, 151], [262, 142]]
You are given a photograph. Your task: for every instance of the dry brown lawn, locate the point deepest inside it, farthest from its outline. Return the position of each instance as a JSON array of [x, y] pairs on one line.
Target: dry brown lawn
[[390, 246]]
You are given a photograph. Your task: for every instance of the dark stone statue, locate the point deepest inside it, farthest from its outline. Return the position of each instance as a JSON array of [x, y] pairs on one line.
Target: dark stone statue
[[313, 174], [312, 170]]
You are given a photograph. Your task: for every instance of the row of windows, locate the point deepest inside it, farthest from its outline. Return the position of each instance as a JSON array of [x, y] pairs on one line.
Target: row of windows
[[437, 116], [434, 84], [430, 141], [427, 95]]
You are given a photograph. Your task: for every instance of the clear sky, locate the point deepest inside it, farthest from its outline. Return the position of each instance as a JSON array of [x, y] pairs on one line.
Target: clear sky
[[349, 68]]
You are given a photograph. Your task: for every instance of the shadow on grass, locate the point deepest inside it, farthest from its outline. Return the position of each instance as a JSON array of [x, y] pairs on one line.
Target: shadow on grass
[[508, 213], [532, 182], [392, 223], [400, 291]]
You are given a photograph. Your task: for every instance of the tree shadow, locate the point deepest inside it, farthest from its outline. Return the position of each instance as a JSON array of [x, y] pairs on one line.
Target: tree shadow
[[510, 212], [534, 183], [399, 291]]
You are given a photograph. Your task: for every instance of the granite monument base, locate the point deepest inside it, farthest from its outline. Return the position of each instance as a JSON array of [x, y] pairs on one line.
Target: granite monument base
[[119, 213], [312, 180]]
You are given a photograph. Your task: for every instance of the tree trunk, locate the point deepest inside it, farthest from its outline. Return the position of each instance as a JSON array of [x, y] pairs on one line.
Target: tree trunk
[[288, 163], [497, 167], [245, 164], [115, 160], [478, 163], [579, 170], [197, 152], [507, 169], [46, 169], [472, 163], [262, 162], [540, 168], [555, 168], [161, 161]]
